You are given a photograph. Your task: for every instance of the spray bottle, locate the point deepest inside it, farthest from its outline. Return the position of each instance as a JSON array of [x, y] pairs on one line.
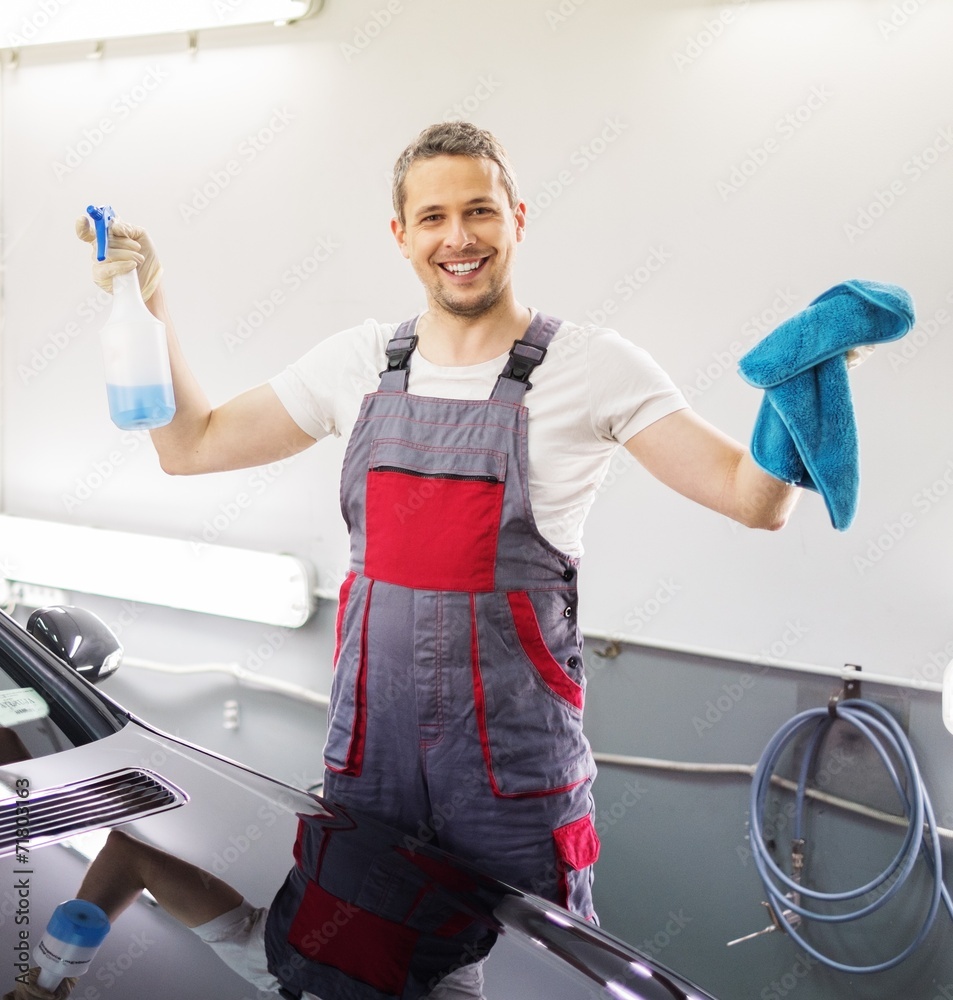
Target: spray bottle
[[135, 349], [72, 937]]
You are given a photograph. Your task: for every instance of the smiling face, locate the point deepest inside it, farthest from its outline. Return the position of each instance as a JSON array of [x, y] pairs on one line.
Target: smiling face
[[460, 233]]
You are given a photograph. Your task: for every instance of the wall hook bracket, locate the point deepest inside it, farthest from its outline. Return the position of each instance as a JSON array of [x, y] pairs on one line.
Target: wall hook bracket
[[850, 688]]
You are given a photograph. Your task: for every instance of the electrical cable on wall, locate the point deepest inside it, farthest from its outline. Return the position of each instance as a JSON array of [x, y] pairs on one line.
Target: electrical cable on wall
[[246, 677], [784, 892]]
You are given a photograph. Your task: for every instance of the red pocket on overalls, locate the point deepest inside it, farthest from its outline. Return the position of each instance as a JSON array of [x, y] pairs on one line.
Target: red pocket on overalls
[[433, 515], [577, 848]]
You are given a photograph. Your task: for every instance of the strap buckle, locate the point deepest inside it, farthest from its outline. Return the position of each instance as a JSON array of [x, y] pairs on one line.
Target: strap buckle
[[524, 357], [399, 351]]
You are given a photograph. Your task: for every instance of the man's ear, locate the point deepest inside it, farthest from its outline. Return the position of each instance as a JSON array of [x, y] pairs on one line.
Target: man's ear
[[400, 234], [520, 214]]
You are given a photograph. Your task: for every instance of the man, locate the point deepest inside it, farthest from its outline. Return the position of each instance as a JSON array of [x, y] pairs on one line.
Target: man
[[457, 696]]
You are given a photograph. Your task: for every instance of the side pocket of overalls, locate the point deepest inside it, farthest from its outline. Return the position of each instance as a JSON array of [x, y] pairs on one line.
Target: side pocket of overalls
[[577, 849], [529, 705], [347, 712]]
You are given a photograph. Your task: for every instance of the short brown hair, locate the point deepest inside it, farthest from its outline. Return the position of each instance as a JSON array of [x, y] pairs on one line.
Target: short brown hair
[[453, 139]]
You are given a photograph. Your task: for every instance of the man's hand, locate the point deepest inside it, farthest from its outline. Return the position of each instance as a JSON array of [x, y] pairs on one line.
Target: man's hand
[[129, 247], [30, 991], [858, 355]]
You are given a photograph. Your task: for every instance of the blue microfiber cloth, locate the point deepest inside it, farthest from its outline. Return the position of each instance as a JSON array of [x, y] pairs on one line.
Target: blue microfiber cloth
[[805, 431]]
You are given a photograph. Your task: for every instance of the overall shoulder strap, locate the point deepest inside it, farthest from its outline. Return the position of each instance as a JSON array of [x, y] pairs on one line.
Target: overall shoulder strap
[[528, 352], [399, 349]]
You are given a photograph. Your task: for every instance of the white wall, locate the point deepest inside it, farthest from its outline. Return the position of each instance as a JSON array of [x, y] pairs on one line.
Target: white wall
[[626, 121]]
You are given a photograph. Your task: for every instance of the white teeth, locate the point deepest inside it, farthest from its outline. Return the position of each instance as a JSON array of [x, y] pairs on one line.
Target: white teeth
[[463, 268]]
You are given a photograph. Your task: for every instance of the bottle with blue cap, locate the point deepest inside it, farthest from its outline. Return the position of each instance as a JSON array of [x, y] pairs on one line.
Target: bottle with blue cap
[[135, 349], [72, 937]]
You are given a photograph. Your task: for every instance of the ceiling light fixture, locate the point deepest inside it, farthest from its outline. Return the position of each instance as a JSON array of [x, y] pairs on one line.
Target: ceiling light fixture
[[175, 573], [51, 22]]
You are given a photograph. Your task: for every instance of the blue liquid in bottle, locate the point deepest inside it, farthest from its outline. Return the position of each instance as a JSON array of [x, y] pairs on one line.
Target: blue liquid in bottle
[[134, 407]]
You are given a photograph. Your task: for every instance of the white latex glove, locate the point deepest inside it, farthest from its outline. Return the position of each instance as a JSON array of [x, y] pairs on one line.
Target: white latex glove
[[30, 991], [129, 247], [858, 355]]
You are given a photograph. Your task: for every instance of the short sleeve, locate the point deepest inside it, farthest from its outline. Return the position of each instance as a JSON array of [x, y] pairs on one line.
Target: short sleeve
[[628, 390], [322, 390]]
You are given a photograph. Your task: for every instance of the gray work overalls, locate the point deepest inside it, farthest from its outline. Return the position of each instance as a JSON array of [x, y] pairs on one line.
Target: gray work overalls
[[456, 703], [361, 917]]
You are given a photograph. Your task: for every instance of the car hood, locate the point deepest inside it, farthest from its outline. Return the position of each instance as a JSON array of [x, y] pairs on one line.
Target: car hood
[[242, 826]]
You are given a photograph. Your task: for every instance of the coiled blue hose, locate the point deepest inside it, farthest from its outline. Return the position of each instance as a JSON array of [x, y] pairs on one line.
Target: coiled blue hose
[[882, 731]]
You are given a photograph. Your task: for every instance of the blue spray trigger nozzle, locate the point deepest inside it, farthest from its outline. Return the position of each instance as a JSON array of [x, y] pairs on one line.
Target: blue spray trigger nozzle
[[101, 215]]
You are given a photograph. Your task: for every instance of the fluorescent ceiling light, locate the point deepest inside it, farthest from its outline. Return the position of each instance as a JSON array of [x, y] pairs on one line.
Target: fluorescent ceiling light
[[49, 22], [212, 579]]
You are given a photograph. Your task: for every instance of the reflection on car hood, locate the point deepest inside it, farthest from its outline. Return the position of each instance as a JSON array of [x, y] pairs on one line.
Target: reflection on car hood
[[243, 826]]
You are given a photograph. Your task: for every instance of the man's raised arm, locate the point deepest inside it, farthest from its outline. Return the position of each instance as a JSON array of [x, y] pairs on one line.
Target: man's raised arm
[[252, 429]]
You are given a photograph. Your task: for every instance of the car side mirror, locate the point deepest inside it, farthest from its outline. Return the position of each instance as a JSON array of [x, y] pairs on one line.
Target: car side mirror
[[79, 638]]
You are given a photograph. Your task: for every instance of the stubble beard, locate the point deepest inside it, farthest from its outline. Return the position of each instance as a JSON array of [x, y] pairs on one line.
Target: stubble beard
[[469, 308]]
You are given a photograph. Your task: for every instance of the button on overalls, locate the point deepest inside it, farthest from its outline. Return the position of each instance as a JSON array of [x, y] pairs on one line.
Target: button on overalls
[[456, 703]]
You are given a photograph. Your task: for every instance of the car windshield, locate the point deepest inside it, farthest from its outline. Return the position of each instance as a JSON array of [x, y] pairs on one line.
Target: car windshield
[[44, 709]]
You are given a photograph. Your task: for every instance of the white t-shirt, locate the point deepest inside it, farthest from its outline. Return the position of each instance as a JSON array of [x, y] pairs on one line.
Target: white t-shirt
[[593, 391]]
